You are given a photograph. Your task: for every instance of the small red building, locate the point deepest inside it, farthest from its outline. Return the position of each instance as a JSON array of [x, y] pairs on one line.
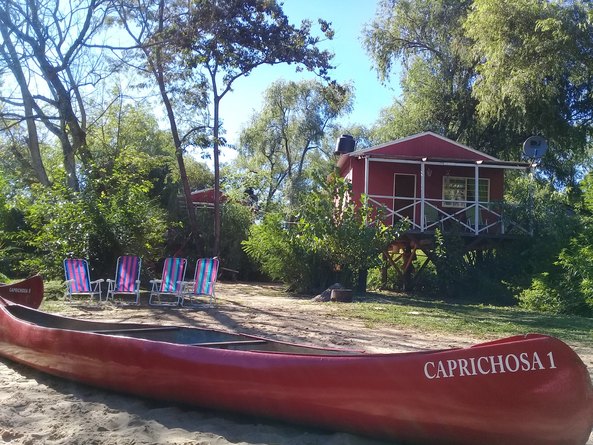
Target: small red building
[[205, 197], [430, 182]]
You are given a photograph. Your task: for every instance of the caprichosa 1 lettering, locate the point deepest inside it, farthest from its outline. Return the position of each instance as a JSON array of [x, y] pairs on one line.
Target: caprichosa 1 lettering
[[490, 364], [19, 290]]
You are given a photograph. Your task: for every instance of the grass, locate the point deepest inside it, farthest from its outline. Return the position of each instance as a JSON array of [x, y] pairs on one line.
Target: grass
[[481, 321]]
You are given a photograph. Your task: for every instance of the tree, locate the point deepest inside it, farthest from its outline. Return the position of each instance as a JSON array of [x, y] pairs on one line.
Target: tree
[[565, 283], [427, 37], [284, 138], [228, 40], [490, 74], [536, 74], [122, 210], [44, 47], [153, 29]]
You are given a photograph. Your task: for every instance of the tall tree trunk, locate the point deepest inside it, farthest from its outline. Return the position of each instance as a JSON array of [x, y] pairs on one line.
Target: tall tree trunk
[[33, 139], [217, 213], [157, 69]]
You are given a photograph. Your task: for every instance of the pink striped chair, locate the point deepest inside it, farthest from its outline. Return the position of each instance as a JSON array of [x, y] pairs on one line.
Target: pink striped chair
[[167, 290], [127, 278], [78, 280], [202, 284]]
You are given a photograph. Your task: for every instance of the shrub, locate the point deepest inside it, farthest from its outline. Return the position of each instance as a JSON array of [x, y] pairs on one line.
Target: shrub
[[331, 238]]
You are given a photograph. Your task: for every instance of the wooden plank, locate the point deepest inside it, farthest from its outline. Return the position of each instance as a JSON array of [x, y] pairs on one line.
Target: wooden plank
[[229, 343], [115, 331]]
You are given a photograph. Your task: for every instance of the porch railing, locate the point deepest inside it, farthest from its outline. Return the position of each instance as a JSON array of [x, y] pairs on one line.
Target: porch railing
[[484, 217]]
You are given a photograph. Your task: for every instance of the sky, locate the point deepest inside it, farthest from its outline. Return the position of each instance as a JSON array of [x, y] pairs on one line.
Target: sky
[[348, 18]]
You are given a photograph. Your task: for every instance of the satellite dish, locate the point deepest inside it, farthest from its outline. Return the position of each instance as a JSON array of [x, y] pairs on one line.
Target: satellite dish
[[534, 148]]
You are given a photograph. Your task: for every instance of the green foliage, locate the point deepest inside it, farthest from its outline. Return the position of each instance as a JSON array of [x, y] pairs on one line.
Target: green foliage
[[348, 234], [274, 245], [236, 36], [59, 222], [330, 237], [566, 285], [489, 74], [53, 290], [534, 73], [107, 219], [428, 38], [541, 296], [450, 264], [119, 209], [124, 203], [237, 218], [285, 141]]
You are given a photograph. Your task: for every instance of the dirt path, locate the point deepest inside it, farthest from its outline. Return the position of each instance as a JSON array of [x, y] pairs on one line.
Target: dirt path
[[38, 409]]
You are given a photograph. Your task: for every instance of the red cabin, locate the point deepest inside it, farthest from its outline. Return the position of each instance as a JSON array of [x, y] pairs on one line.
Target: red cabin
[[205, 197], [431, 181]]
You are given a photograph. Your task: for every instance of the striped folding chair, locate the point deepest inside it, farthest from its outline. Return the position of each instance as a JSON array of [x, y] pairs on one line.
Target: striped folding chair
[[167, 290], [78, 280], [127, 279], [202, 284]]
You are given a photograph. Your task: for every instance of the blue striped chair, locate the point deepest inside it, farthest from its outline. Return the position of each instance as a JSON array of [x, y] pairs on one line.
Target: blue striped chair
[[203, 283], [167, 290], [78, 280]]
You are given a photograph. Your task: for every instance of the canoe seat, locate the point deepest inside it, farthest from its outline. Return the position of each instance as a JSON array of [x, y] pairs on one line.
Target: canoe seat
[[217, 344], [117, 331]]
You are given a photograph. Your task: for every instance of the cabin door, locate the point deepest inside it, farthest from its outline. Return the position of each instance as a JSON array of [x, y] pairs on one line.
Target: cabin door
[[404, 192]]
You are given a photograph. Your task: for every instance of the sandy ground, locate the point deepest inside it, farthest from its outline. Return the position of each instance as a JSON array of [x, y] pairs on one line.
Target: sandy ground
[[40, 409]]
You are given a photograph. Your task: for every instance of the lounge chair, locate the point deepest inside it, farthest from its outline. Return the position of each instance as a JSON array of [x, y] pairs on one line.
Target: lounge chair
[[470, 214], [432, 218], [202, 284], [78, 280], [167, 290], [127, 279]]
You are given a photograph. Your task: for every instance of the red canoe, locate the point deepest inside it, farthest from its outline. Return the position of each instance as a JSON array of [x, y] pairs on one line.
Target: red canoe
[[28, 292], [522, 390]]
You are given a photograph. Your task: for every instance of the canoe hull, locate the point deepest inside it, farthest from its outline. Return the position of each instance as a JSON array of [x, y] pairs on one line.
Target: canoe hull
[[28, 292], [521, 390]]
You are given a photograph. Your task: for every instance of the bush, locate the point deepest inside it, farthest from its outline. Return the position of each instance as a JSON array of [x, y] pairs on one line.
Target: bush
[[331, 238], [108, 218], [275, 246], [53, 290]]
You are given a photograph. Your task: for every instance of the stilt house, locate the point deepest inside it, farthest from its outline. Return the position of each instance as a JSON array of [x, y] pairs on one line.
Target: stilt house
[[432, 182]]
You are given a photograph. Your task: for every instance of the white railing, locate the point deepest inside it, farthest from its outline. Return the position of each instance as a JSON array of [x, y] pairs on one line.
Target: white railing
[[429, 214]]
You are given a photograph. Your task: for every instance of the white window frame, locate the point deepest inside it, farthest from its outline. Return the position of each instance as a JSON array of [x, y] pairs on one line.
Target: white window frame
[[460, 200]]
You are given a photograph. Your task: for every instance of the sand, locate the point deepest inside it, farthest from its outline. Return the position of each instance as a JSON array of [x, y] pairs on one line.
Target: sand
[[39, 409]]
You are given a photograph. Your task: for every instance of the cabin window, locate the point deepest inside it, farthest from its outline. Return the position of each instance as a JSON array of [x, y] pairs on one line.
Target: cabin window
[[458, 192]]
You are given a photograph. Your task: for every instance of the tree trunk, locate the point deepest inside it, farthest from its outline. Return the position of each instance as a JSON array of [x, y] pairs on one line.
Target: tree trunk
[[157, 70], [217, 213], [33, 139]]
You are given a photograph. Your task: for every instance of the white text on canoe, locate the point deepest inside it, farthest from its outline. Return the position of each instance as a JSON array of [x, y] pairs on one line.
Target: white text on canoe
[[490, 364], [19, 290]]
